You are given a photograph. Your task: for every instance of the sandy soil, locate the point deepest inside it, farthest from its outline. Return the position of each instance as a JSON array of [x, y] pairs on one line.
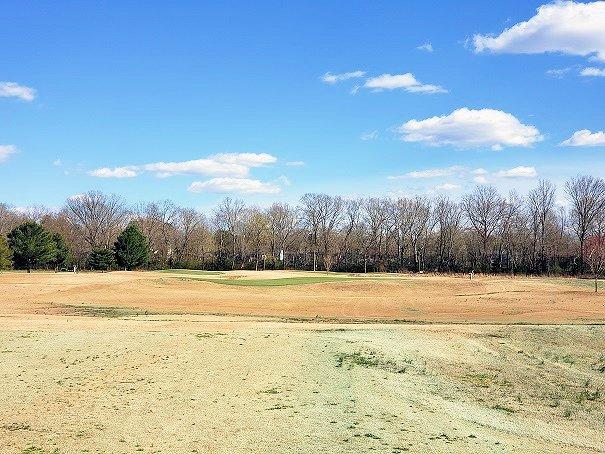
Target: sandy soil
[[407, 298], [103, 380], [218, 384]]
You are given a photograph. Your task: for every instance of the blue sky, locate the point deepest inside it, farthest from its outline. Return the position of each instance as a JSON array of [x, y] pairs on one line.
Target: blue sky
[[96, 94]]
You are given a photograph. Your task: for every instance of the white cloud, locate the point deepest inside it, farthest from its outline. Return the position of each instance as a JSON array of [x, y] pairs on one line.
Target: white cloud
[[447, 187], [57, 162], [223, 164], [427, 47], [295, 163], [468, 128], [14, 90], [405, 81], [330, 78], [564, 26], [234, 185], [480, 179], [372, 135], [518, 172], [6, 151], [592, 72], [117, 172], [585, 138]]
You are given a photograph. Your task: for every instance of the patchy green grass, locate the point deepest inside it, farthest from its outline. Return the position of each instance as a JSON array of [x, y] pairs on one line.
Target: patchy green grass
[[192, 272], [503, 409], [208, 335], [36, 450], [370, 359], [584, 283], [274, 390], [107, 312]]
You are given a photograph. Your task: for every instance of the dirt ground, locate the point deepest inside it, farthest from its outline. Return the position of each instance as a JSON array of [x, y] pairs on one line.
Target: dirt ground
[[414, 298], [84, 369]]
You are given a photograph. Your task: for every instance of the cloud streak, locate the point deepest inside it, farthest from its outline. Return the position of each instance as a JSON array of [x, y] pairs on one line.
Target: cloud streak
[[405, 82], [219, 165], [234, 185], [331, 79]]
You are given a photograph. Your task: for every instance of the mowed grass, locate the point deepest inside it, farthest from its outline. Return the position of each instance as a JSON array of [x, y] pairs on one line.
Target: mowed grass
[[279, 282]]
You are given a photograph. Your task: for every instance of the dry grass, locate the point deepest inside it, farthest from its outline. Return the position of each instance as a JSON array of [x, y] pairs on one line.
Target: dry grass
[[124, 362]]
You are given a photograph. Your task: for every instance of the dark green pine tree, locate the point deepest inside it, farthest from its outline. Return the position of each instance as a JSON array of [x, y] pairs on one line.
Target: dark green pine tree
[[132, 248], [101, 259], [32, 246], [62, 256], [6, 255]]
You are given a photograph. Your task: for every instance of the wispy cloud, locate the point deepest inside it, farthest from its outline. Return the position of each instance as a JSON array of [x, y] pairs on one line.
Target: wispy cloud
[[518, 172], [6, 151], [234, 185], [468, 128], [330, 78], [372, 135], [563, 26], [295, 163], [116, 172], [223, 164], [426, 47], [405, 81], [14, 90], [558, 73], [430, 173], [585, 138], [465, 174]]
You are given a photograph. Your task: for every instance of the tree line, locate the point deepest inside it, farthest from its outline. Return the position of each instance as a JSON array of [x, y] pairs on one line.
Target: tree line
[[483, 232]]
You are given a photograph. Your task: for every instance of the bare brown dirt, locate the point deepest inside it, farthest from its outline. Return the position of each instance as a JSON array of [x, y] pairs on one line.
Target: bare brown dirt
[[413, 298]]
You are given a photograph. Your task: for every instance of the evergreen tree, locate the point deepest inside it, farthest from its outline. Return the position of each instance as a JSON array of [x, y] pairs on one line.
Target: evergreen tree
[[32, 246], [101, 259], [6, 256], [62, 256], [132, 248]]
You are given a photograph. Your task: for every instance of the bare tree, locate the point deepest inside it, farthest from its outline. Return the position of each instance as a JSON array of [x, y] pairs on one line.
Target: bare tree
[[587, 197], [311, 220], [187, 222], [8, 219], [595, 255], [375, 213], [541, 202], [229, 214], [98, 217], [351, 223], [282, 220], [448, 218], [420, 217], [483, 208], [330, 213], [256, 230], [156, 221]]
